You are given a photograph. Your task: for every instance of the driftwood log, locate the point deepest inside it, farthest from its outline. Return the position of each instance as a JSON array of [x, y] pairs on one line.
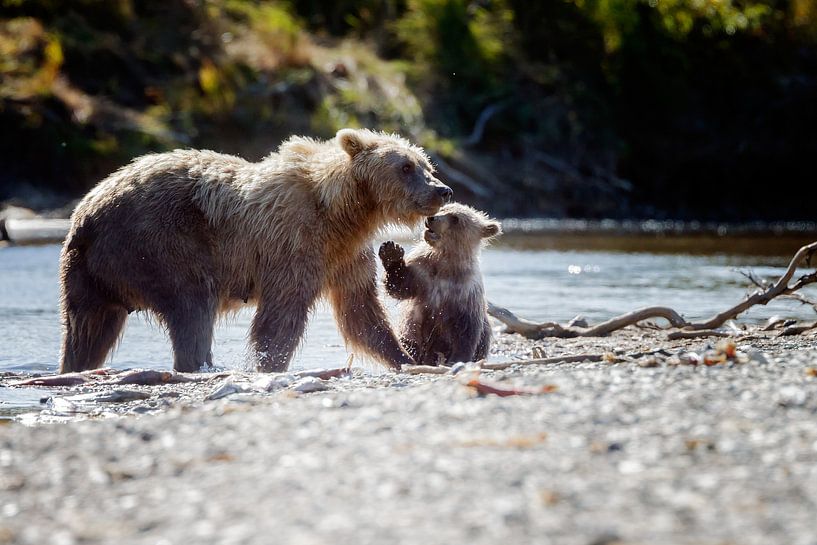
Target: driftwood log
[[783, 287], [33, 230]]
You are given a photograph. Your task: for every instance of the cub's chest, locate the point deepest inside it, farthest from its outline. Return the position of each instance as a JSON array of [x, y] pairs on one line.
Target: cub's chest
[[444, 290]]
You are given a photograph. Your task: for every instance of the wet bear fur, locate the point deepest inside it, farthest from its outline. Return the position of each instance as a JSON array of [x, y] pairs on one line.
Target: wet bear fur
[[189, 235], [443, 314]]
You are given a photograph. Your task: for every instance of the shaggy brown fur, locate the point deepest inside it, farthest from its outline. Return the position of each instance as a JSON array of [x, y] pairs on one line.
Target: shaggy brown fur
[[189, 235], [444, 315]]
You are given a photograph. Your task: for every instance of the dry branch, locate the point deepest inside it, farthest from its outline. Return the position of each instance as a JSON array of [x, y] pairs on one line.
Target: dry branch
[[425, 369], [576, 358], [687, 334], [458, 177], [764, 284], [765, 293], [797, 329], [482, 120], [551, 329], [763, 296]]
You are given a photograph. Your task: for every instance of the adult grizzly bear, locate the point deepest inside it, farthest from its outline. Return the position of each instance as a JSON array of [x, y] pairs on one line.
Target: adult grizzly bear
[[188, 235], [444, 315]]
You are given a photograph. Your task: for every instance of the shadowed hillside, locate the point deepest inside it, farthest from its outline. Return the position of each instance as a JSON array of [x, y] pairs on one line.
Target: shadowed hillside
[[625, 108]]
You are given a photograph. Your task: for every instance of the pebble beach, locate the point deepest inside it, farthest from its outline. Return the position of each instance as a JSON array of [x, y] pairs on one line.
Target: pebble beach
[[637, 450]]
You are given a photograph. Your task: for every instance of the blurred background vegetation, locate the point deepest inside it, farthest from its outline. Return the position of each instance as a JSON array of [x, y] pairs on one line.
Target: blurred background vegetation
[[688, 109]]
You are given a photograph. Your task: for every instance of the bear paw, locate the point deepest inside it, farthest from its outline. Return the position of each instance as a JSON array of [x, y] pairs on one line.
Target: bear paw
[[391, 252]]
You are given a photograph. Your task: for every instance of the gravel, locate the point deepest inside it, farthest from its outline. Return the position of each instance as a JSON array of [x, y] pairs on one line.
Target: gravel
[[619, 453]]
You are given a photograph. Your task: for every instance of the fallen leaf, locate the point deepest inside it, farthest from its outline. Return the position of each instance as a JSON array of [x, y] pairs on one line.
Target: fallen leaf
[[486, 388], [727, 347], [610, 357], [221, 457], [516, 441]]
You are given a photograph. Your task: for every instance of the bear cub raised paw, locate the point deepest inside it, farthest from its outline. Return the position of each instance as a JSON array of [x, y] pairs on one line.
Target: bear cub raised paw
[[443, 316]]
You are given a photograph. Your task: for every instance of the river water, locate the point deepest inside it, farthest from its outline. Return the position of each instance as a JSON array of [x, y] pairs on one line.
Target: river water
[[544, 278], [527, 276]]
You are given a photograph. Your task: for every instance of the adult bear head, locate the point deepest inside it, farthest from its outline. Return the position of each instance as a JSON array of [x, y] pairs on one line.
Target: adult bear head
[[398, 174]]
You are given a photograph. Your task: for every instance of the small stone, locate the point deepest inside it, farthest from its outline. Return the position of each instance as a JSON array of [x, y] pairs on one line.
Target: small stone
[[271, 383], [308, 385], [226, 388], [649, 361], [757, 356], [578, 321], [791, 396], [457, 367]]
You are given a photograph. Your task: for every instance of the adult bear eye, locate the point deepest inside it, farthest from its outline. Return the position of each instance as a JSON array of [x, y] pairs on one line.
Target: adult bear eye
[[455, 220], [408, 167]]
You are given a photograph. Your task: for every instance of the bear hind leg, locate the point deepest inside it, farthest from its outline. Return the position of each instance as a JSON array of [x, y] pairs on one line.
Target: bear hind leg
[[92, 324]]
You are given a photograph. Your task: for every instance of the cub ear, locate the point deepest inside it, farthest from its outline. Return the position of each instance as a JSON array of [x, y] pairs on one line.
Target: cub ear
[[352, 141], [491, 230]]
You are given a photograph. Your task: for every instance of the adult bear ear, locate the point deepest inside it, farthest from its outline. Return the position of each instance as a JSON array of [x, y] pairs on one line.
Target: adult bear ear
[[352, 141], [491, 230]]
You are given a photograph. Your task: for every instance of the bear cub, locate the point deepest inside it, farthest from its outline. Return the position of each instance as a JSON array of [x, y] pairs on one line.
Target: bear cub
[[443, 316]]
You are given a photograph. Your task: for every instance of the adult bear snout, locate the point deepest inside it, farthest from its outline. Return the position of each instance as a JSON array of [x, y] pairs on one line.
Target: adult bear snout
[[445, 193]]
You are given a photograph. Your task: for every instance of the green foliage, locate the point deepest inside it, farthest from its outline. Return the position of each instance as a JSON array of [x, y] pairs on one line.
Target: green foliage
[[617, 18], [683, 97], [460, 40], [30, 59], [340, 17], [461, 52]]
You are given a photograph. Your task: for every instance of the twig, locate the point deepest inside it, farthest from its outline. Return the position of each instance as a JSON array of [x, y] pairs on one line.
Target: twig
[[764, 284], [551, 329], [479, 127], [459, 177], [797, 329], [686, 334], [425, 369], [543, 361], [750, 276], [489, 388], [781, 287], [558, 165], [799, 297], [761, 296]]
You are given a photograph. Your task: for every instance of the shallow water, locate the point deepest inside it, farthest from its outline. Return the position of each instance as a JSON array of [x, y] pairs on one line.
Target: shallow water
[[533, 279], [534, 283]]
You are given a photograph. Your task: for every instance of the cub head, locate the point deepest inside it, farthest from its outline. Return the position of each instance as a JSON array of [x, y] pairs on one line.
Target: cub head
[[458, 227], [398, 174]]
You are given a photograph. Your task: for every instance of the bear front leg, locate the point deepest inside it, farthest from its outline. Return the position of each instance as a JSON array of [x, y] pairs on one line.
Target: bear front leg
[[363, 323], [360, 315], [279, 325], [401, 281]]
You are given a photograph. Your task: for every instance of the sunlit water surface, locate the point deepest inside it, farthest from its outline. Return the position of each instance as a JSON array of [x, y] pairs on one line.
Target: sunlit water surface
[[535, 284]]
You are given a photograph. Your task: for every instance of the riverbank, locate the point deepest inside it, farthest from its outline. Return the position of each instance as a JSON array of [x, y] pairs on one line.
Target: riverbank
[[24, 226], [640, 448]]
